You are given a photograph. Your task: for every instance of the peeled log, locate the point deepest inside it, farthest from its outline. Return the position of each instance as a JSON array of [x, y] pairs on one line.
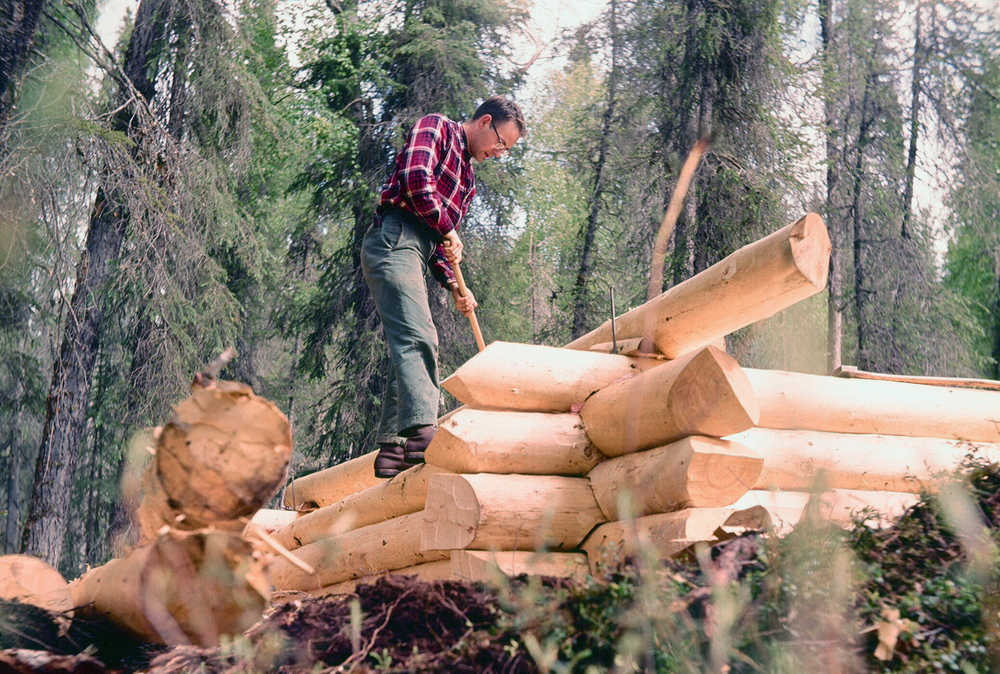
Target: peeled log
[[755, 282], [798, 460], [487, 566], [427, 572], [535, 378], [704, 393], [29, 580], [663, 535], [183, 588], [788, 508], [224, 454], [793, 400], [332, 484], [386, 546], [401, 495], [694, 472], [508, 512], [535, 443]]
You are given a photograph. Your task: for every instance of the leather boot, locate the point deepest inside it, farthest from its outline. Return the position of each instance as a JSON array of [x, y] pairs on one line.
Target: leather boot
[[417, 440], [390, 461]]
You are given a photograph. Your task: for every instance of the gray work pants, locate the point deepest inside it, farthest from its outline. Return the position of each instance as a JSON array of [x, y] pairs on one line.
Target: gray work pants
[[394, 257]]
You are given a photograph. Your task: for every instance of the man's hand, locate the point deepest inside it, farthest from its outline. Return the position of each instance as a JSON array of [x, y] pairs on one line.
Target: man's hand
[[452, 247], [466, 304]]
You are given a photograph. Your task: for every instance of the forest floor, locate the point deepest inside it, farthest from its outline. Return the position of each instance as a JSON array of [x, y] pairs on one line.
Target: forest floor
[[922, 594]]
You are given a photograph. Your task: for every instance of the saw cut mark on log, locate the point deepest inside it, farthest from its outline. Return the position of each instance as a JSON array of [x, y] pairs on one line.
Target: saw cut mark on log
[[694, 472], [807, 460], [428, 572], [752, 284], [534, 378], [703, 393], [792, 400], [183, 588], [851, 372], [508, 512], [386, 546], [489, 566], [534, 443], [325, 487], [401, 495]]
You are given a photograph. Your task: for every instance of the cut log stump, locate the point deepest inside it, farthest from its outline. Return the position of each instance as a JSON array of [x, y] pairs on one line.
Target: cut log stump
[[704, 393], [508, 512]]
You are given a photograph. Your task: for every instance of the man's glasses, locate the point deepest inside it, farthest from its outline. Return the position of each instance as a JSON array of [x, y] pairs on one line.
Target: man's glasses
[[500, 141]]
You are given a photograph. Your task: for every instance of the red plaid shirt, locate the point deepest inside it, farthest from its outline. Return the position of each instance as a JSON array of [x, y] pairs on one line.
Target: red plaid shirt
[[434, 180]]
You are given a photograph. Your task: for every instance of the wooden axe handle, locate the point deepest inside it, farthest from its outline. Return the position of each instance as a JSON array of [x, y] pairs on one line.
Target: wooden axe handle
[[463, 291]]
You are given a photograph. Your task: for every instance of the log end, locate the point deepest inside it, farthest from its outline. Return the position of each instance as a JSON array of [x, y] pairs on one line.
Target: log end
[[30, 580], [451, 514], [810, 244], [720, 472], [713, 396], [448, 450]]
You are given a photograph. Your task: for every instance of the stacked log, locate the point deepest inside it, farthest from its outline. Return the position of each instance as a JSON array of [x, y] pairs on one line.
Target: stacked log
[[605, 451]]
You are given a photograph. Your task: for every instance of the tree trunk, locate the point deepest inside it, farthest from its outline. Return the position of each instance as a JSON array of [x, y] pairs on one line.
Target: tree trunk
[[69, 392], [864, 291], [911, 156], [580, 304], [834, 216], [18, 24], [10, 526], [996, 317]]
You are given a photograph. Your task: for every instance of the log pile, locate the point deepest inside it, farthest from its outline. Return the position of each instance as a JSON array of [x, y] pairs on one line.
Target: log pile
[[193, 578], [566, 459]]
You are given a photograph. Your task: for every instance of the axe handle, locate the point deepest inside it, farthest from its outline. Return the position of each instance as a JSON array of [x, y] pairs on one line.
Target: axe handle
[[463, 291]]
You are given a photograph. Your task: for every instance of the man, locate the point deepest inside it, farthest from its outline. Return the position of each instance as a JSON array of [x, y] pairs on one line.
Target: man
[[419, 210]]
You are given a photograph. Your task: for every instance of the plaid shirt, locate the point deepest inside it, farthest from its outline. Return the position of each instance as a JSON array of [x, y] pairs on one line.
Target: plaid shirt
[[434, 180]]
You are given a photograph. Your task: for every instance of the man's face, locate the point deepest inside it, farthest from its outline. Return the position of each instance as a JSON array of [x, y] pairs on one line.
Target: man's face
[[489, 139]]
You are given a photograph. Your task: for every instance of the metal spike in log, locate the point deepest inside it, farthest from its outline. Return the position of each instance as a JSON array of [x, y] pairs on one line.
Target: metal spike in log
[[792, 400], [224, 454], [401, 495], [799, 460], [327, 486], [534, 378], [694, 472], [508, 512], [533, 443], [184, 588], [752, 284], [703, 393]]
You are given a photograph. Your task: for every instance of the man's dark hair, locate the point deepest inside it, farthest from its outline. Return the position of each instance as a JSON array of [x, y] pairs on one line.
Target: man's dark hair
[[501, 110]]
